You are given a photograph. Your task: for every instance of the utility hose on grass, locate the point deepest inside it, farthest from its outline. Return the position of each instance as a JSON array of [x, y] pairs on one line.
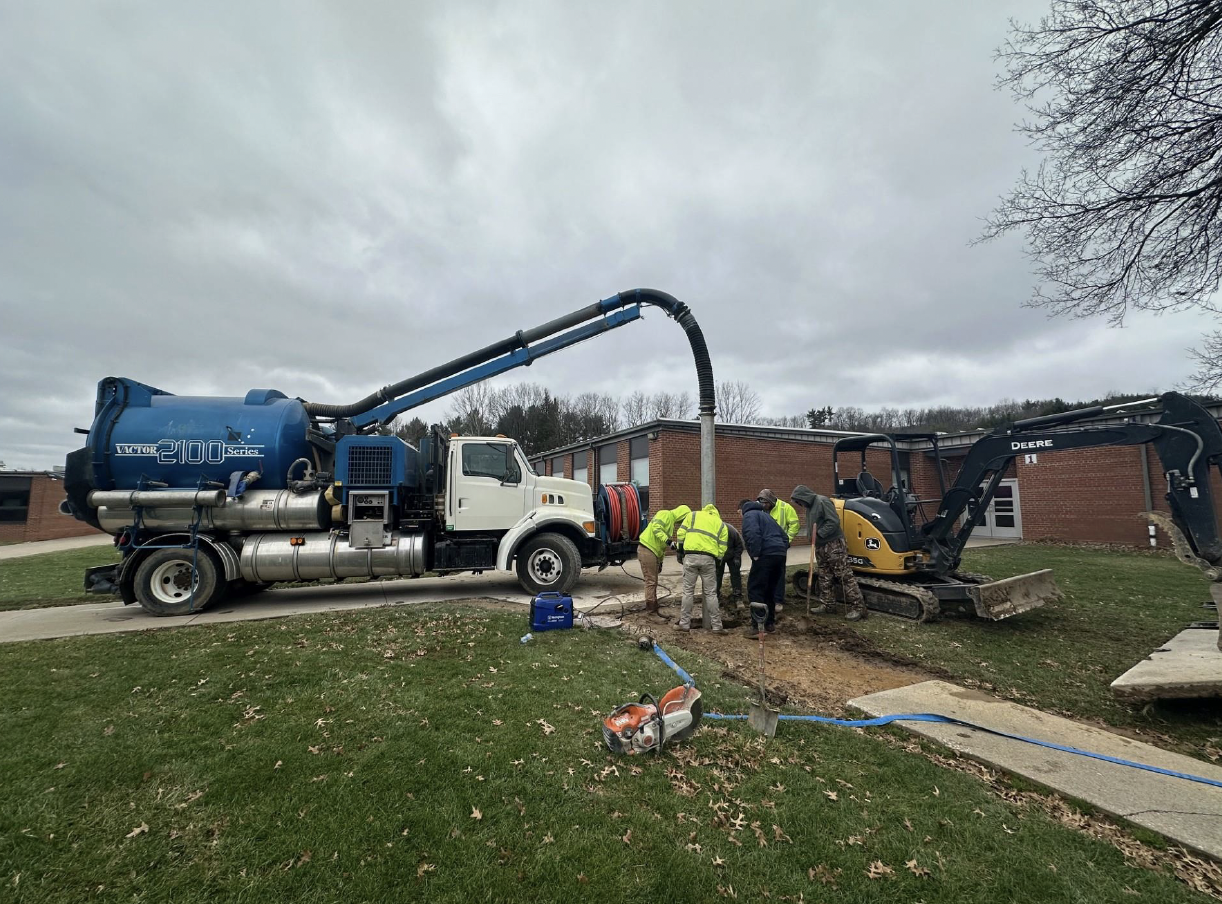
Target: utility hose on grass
[[948, 720]]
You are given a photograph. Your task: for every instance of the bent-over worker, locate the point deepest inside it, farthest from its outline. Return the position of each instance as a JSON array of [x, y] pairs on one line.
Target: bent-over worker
[[766, 545], [654, 540], [833, 554], [734, 562], [786, 516], [704, 539]]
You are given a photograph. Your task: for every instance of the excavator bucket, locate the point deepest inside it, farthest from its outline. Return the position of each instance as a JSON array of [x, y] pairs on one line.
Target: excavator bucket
[[1000, 599]]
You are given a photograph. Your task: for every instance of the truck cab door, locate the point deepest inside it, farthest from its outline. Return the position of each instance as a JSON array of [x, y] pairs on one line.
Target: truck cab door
[[488, 485]]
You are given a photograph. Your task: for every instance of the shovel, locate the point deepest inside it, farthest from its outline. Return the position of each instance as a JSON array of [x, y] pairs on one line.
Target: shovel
[[761, 717]]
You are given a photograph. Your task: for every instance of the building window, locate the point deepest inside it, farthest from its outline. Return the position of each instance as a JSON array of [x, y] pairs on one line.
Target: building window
[[580, 472], [558, 466], [14, 500], [638, 454], [607, 467]]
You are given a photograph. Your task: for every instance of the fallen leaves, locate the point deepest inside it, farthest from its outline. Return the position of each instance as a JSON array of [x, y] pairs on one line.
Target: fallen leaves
[[138, 830], [878, 870], [425, 868], [547, 728], [915, 869], [627, 839], [476, 814], [823, 874], [831, 795]]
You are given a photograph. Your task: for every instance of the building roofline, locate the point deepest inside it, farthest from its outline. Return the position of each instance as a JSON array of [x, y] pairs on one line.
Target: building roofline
[[919, 443]]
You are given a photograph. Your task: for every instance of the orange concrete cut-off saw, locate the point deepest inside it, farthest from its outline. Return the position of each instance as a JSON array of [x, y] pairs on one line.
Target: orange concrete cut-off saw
[[650, 724]]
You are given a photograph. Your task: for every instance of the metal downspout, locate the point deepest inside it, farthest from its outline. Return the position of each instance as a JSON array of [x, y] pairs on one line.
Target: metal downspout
[[1146, 488]]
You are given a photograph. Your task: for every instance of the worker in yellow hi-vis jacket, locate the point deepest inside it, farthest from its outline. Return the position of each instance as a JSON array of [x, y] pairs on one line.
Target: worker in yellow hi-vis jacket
[[655, 538], [704, 540]]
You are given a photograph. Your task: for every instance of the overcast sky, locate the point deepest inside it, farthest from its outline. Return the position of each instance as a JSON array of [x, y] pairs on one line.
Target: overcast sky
[[326, 198]]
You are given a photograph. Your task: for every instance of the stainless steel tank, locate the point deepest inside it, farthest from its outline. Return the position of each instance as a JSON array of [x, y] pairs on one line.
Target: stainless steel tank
[[326, 554]]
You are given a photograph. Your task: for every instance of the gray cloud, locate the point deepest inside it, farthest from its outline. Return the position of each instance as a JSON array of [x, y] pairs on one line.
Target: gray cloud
[[324, 198]]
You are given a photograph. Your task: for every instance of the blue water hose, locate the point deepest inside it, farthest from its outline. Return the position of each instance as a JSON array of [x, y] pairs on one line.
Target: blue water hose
[[948, 720]]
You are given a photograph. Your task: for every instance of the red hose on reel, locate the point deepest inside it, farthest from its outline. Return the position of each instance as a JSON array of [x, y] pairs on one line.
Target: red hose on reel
[[613, 514], [623, 512]]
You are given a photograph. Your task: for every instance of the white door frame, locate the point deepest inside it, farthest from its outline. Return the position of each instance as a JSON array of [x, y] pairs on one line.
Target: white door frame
[[988, 527]]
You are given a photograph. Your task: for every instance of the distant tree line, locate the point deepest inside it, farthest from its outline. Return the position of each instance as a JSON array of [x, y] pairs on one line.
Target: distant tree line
[[541, 420], [956, 419]]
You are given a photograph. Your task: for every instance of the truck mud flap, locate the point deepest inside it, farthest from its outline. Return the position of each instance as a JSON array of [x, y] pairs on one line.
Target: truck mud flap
[[996, 600], [102, 579]]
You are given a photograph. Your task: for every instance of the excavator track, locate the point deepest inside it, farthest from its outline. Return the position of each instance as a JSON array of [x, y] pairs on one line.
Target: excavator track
[[897, 598], [892, 597]]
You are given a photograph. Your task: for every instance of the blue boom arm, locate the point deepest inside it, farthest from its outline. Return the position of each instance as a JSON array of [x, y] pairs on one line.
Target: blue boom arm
[[521, 357]]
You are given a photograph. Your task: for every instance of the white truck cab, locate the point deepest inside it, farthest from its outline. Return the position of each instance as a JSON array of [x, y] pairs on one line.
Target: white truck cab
[[545, 526]]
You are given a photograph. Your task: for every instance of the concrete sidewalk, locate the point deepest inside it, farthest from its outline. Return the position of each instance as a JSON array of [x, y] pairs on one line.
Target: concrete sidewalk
[[603, 591], [1185, 811], [38, 547]]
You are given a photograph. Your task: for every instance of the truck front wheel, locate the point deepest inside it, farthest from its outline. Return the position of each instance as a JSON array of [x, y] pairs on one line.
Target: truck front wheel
[[548, 562], [165, 586]]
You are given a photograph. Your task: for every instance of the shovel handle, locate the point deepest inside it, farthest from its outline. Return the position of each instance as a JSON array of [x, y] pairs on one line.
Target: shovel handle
[[810, 573]]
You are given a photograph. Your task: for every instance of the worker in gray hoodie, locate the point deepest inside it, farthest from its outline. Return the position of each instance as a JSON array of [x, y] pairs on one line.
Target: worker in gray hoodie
[[832, 552]]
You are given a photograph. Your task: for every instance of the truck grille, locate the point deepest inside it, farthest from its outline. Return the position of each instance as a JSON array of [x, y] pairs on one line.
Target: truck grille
[[369, 466]]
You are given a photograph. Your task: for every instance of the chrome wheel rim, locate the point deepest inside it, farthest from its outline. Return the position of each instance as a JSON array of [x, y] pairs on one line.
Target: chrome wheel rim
[[172, 582], [545, 566]]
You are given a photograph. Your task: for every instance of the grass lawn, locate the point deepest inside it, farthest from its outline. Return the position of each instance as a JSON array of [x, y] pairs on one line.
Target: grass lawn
[[1118, 607], [52, 578], [413, 754]]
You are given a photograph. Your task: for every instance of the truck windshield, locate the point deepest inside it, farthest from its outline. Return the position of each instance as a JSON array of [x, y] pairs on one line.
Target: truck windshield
[[494, 460]]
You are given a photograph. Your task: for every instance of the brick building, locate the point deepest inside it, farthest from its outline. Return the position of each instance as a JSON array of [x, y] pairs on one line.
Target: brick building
[[29, 508], [1088, 495]]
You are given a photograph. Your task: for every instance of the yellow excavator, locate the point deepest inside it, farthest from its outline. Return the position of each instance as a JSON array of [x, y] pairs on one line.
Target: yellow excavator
[[907, 562]]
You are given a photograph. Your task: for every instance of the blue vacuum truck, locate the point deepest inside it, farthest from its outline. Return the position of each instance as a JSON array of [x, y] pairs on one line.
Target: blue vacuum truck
[[209, 498]]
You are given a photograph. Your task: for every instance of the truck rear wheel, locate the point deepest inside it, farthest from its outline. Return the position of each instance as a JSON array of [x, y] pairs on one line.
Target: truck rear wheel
[[549, 562], [164, 584]]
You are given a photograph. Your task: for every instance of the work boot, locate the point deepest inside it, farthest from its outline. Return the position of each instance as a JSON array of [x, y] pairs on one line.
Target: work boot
[[855, 615], [718, 631], [752, 631], [822, 609], [779, 607], [770, 629]]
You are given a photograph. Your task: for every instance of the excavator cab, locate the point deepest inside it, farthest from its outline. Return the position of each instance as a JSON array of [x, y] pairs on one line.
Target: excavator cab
[[880, 524]]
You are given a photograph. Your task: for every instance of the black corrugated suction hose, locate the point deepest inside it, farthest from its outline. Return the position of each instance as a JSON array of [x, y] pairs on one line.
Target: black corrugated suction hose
[[672, 306]]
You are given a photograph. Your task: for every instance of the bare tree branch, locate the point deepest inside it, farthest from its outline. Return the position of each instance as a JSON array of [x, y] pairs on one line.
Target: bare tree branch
[[1125, 99]]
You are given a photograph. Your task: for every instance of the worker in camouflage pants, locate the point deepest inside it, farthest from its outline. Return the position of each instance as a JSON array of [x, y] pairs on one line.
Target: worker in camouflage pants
[[832, 553]]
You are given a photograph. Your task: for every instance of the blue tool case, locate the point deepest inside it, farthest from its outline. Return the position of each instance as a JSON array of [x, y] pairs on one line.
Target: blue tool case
[[549, 611]]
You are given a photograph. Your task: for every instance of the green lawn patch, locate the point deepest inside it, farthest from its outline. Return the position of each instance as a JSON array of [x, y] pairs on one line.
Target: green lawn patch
[[52, 578], [1118, 607], [424, 754]]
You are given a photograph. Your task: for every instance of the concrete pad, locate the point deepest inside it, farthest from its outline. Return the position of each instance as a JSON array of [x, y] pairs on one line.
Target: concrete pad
[[1188, 665], [1187, 812]]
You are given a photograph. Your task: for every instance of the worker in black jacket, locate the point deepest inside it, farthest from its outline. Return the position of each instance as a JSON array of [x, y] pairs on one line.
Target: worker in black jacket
[[733, 561], [832, 553], [766, 543]]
